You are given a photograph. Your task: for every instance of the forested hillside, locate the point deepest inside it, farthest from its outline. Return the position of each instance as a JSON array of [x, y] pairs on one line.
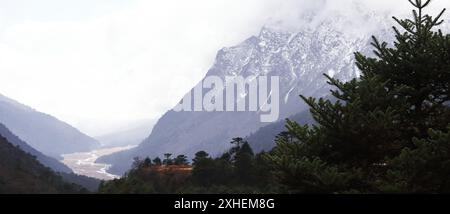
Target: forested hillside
[[22, 173]]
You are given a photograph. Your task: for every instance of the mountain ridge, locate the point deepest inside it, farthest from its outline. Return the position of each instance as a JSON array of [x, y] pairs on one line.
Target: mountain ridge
[[21, 173], [45, 160], [41, 131]]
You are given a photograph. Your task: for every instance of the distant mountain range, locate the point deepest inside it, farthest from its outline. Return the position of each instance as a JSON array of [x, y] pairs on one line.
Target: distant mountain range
[[299, 58], [43, 132], [132, 135]]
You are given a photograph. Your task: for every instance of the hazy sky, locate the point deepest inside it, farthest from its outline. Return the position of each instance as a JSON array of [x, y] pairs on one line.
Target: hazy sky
[[101, 64]]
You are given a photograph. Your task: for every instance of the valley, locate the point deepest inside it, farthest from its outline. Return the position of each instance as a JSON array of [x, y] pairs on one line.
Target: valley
[[83, 163]]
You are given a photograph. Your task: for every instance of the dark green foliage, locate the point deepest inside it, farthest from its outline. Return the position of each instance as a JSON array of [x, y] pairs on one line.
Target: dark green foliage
[[181, 160], [418, 66], [244, 162], [22, 173], [236, 171], [237, 168], [204, 169], [89, 183], [426, 168], [199, 156], [167, 159], [147, 162], [368, 140], [157, 161], [145, 178], [145, 182]]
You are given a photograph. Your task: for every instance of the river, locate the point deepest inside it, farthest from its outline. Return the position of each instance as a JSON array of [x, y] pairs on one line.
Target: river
[[83, 163]]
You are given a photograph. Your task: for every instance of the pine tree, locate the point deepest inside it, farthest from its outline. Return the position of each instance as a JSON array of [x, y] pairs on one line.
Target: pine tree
[[244, 164], [426, 168], [201, 155], [157, 161], [419, 64], [401, 94], [181, 160], [167, 160], [204, 169], [147, 162]]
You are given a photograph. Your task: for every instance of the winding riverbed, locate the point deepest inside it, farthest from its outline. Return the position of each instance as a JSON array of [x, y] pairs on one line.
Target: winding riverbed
[[83, 163]]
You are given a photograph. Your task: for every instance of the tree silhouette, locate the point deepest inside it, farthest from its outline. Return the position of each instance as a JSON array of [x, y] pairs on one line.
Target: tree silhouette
[[157, 161], [181, 160], [167, 159], [147, 162], [199, 156]]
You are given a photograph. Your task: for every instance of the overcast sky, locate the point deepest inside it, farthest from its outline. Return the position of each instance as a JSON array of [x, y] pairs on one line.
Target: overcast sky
[[101, 64]]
